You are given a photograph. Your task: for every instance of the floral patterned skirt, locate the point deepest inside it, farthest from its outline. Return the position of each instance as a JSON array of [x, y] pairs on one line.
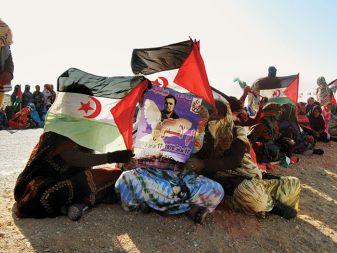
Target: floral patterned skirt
[[167, 191]]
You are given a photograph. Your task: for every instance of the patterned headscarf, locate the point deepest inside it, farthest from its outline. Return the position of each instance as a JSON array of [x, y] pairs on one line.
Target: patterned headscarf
[[5, 34], [270, 109], [321, 80], [222, 132]]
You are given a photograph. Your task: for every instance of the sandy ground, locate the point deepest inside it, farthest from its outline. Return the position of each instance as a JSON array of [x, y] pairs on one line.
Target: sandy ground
[[107, 228]]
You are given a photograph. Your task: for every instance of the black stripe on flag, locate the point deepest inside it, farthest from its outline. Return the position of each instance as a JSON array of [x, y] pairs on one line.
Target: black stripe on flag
[[109, 87], [267, 83], [151, 60]]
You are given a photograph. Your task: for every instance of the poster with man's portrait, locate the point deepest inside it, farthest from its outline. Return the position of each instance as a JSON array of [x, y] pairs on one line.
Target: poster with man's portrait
[[167, 126]]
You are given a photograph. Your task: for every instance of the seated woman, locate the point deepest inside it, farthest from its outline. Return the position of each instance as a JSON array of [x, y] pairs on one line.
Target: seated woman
[[268, 143], [317, 124], [224, 158], [34, 115], [301, 116], [290, 128], [21, 119], [59, 180], [58, 174], [170, 191]]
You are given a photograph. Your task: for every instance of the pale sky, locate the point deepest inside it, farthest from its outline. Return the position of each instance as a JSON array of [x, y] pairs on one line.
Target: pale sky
[[239, 38]]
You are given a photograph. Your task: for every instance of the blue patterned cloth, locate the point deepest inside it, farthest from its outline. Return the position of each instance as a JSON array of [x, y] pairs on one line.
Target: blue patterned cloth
[[167, 191]]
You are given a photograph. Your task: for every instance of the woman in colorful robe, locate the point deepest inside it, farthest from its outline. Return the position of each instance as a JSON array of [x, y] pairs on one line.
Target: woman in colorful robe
[[21, 119], [290, 128], [268, 143], [170, 191], [58, 174], [225, 158]]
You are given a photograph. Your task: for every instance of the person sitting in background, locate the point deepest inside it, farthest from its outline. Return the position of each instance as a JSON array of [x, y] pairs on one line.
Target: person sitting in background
[[224, 157], [27, 96], [310, 103], [38, 99], [34, 115], [289, 127], [317, 124], [301, 113], [14, 96], [268, 143], [6, 60], [48, 96], [21, 119]]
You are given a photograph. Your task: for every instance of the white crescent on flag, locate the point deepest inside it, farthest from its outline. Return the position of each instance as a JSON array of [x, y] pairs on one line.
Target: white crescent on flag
[[273, 93], [84, 106], [165, 79]]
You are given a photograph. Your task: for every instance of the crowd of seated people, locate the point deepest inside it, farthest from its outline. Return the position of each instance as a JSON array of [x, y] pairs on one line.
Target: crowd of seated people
[[27, 109], [223, 168]]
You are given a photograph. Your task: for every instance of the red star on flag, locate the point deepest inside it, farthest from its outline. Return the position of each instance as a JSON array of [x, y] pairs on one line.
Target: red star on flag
[[85, 107]]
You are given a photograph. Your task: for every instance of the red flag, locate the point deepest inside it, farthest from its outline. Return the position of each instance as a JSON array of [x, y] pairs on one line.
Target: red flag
[[124, 112], [333, 100], [193, 77], [175, 66]]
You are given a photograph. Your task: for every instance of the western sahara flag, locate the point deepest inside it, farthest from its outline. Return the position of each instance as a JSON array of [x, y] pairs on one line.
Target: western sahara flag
[[280, 89], [101, 120], [177, 66], [333, 87]]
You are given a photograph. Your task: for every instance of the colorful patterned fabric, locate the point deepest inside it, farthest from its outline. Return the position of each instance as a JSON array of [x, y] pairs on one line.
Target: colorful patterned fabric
[[245, 188], [167, 191], [47, 183], [257, 196]]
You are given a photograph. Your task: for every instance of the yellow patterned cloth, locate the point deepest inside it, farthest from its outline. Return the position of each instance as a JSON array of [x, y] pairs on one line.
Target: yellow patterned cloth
[[253, 195], [258, 196]]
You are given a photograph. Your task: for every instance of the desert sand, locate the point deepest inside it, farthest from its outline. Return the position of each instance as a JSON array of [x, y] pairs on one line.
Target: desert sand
[[107, 228]]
